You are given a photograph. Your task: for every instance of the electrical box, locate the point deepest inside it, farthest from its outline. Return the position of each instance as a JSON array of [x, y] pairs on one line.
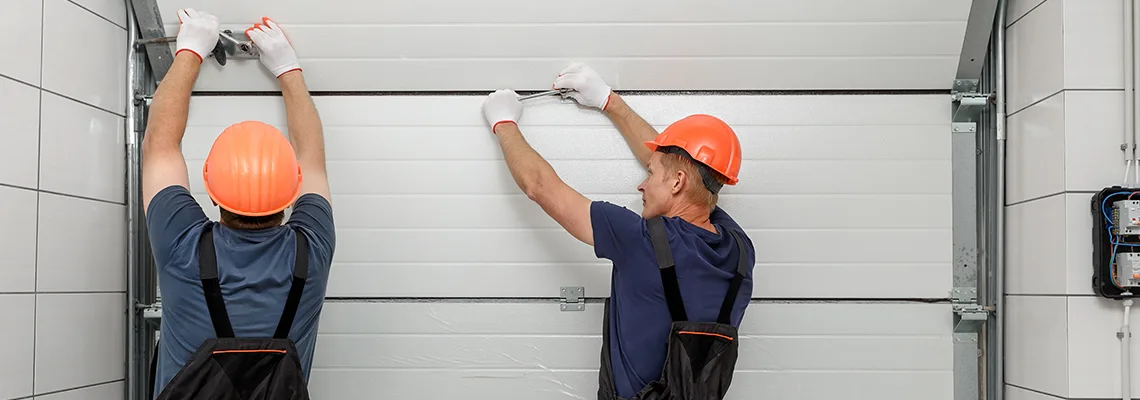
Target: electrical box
[[1126, 217], [1116, 242], [1128, 269]]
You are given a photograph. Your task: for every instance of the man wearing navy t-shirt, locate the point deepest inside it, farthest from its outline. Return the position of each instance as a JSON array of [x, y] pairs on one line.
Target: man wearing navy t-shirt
[[687, 165]]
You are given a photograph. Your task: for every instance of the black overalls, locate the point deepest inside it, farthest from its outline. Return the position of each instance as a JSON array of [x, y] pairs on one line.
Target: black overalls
[[701, 356], [229, 368]]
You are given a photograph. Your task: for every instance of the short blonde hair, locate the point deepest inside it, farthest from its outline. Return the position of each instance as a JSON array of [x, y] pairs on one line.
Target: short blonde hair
[[696, 189]]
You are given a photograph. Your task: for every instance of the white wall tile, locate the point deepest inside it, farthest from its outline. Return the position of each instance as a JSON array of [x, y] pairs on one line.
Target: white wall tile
[[20, 32], [82, 150], [79, 340], [1094, 350], [1037, 344], [1035, 56], [1094, 126], [1035, 153], [82, 245], [1093, 43], [84, 58], [17, 337], [109, 391], [1078, 222], [1018, 9], [18, 240], [1035, 247], [20, 110], [113, 10]]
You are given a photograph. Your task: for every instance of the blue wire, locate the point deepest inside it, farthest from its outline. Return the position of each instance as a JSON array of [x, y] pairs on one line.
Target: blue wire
[[1108, 227]]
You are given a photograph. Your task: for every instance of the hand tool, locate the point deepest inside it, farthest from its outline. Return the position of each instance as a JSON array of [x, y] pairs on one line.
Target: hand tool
[[565, 93], [228, 46]]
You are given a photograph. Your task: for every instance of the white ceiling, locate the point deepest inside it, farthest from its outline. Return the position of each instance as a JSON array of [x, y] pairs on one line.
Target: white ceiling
[[440, 45]]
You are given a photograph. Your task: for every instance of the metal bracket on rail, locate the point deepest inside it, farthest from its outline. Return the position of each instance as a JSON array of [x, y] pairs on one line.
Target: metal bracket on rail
[[964, 302], [228, 47], [968, 103], [573, 298]]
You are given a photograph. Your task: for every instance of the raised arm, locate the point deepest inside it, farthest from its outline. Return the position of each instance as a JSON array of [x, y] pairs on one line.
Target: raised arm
[[162, 162], [591, 90], [532, 173], [305, 131]]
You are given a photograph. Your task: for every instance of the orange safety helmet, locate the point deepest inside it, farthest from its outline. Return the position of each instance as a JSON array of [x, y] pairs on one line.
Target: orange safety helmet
[[708, 140], [252, 170]]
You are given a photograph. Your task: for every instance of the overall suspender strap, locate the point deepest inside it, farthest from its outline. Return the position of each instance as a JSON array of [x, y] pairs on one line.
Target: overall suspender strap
[[737, 278], [300, 273], [667, 267], [208, 272]]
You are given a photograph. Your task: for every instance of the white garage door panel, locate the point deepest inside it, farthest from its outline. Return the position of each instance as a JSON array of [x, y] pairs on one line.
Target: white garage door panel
[[482, 350], [658, 110], [631, 11], [848, 195], [352, 45]]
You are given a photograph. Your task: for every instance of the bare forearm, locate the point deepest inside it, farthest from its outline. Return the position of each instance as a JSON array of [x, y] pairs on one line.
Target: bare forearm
[[166, 120], [305, 131], [527, 167], [633, 128]]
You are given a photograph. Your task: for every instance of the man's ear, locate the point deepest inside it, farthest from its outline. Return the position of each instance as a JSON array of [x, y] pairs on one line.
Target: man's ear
[[679, 183]]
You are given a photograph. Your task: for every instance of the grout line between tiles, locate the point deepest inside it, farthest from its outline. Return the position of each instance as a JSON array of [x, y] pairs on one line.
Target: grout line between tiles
[[60, 194], [96, 14], [1032, 199], [1035, 391], [31, 85], [36, 247], [1018, 111], [85, 103], [70, 389]]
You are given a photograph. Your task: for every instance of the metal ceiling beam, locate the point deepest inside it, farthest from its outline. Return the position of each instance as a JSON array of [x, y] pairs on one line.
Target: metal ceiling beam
[[150, 27], [979, 26]]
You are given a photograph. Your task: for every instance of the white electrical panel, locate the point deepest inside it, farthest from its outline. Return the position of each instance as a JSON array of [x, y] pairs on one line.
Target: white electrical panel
[[1126, 217], [1128, 269]]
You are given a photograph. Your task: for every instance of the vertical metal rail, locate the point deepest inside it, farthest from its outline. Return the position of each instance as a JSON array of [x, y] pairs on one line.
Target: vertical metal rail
[[133, 194], [998, 244]]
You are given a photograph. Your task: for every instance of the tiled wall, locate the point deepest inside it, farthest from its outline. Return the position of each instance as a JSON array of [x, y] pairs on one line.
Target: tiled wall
[[62, 100], [1065, 83]]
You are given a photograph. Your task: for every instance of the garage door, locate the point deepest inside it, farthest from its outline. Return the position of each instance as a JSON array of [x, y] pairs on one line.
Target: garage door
[[446, 280]]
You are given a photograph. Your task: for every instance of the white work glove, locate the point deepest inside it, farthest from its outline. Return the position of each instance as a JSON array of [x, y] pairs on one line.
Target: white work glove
[[276, 52], [589, 87], [198, 32], [502, 106]]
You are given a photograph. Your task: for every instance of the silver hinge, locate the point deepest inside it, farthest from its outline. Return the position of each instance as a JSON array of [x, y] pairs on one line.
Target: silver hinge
[[965, 304], [968, 102], [572, 298]]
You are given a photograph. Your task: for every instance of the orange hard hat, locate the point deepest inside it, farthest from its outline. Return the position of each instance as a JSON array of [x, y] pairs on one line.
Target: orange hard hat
[[252, 170], [708, 140]]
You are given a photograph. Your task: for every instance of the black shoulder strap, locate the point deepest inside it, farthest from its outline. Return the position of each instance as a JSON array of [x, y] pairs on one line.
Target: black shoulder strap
[[737, 278], [208, 272], [667, 267], [300, 273]]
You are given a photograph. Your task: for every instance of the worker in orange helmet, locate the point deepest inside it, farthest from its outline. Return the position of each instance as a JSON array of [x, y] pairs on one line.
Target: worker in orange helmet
[[253, 276], [682, 269]]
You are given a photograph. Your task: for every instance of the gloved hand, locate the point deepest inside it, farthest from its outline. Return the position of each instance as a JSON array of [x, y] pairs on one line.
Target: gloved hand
[[502, 106], [276, 52], [198, 32], [589, 87]]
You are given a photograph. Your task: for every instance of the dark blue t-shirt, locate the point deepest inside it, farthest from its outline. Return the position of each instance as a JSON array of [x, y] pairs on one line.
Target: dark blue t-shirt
[[639, 316], [255, 269]]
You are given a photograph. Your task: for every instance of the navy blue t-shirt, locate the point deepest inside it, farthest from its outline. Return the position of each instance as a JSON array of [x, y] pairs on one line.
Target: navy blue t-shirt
[[639, 316], [255, 269]]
